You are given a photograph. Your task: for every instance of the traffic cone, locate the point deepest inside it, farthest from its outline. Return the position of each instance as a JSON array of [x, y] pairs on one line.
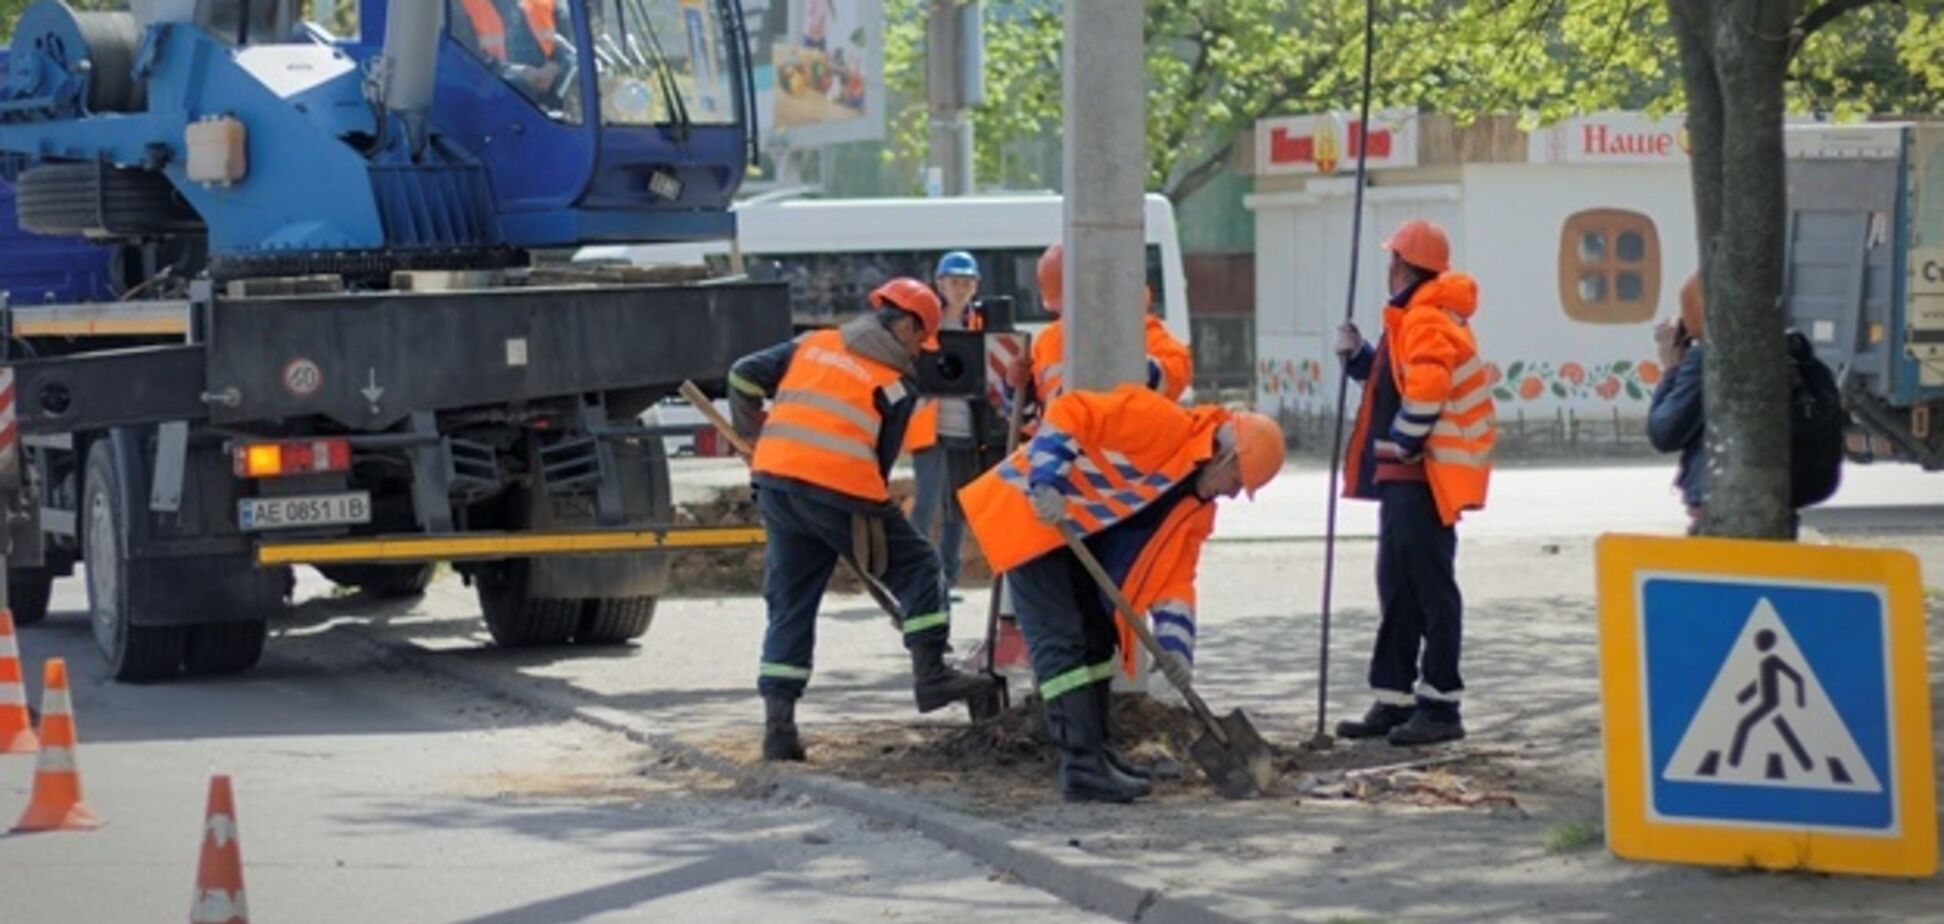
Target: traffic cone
[[56, 802], [219, 875], [16, 731]]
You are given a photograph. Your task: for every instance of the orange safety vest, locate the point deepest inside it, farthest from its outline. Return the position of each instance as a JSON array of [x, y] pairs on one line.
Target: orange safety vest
[[1435, 365], [922, 433], [1049, 363], [491, 28], [824, 423], [1127, 447]]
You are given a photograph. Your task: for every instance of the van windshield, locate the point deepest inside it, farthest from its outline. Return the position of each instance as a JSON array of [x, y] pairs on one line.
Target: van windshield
[[828, 286]]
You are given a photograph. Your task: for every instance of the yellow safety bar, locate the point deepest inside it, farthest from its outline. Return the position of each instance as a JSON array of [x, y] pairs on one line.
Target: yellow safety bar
[[505, 545]]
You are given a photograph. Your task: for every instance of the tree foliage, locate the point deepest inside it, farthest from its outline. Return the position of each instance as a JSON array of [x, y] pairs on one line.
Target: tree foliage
[[1216, 66]]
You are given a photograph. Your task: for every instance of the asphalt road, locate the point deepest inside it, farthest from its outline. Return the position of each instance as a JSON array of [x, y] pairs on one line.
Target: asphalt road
[[369, 791]]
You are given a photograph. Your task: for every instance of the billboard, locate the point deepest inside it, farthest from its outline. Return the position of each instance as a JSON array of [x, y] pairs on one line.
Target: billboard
[[819, 67]]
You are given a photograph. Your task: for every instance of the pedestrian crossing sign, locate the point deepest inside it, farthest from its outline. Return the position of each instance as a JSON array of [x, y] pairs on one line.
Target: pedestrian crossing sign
[[1766, 704]]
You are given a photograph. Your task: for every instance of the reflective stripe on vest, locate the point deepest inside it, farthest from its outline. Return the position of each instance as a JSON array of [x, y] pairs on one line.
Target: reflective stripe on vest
[[824, 424], [1102, 487]]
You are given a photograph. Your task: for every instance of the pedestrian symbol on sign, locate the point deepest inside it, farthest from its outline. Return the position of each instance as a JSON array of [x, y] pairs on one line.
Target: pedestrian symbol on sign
[[1767, 721]]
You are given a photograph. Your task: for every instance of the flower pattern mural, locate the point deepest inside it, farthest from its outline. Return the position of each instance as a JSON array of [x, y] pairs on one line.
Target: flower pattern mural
[[1621, 380]]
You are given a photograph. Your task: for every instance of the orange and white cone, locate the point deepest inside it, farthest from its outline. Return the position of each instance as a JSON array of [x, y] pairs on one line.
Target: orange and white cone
[[56, 802], [16, 732], [219, 875]]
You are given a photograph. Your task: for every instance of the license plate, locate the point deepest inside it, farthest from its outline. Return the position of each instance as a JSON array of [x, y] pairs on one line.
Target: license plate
[[259, 513]]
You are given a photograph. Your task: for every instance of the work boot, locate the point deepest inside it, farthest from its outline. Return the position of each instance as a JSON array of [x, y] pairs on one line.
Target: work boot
[[1085, 774], [1103, 696], [1428, 726], [780, 741], [936, 684], [1376, 723]]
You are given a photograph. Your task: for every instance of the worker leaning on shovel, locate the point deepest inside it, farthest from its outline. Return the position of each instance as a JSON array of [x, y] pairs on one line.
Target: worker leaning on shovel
[[1137, 475], [839, 403]]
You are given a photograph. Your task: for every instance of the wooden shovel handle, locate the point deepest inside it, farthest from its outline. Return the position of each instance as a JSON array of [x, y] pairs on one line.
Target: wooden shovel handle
[[1138, 625]]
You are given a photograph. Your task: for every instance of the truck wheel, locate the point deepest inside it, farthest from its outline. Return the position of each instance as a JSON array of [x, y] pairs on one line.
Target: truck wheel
[[612, 622], [386, 582], [133, 652], [225, 647], [517, 619], [27, 596]]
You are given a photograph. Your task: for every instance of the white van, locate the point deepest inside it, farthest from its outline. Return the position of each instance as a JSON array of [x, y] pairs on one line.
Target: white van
[[833, 252]]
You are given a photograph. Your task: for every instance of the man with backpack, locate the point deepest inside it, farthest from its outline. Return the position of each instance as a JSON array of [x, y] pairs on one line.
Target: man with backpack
[[1675, 422]]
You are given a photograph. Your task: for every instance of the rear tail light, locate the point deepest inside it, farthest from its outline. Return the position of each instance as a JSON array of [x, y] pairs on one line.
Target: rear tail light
[[291, 457]]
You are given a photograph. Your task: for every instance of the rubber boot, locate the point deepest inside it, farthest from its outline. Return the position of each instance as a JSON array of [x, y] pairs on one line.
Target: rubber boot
[[1103, 696], [780, 740], [936, 684], [1428, 725], [1376, 723], [1085, 775]]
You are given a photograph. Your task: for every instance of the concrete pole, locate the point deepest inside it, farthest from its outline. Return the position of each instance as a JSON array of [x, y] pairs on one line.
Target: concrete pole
[[1104, 173], [952, 84]]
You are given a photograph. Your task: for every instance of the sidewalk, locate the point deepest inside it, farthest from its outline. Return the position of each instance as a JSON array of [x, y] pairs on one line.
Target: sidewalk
[[1531, 666]]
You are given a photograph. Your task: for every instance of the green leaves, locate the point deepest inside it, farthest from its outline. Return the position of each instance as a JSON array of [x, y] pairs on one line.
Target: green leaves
[[1216, 66]]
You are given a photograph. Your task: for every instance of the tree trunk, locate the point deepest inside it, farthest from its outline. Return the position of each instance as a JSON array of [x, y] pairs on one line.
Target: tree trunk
[[1735, 57]]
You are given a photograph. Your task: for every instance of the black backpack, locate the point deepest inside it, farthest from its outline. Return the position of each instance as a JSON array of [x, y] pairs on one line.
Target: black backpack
[[1817, 421]]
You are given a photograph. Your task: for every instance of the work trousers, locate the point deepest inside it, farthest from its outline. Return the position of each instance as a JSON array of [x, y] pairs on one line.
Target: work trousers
[[804, 539], [938, 473], [1417, 588], [1068, 624]]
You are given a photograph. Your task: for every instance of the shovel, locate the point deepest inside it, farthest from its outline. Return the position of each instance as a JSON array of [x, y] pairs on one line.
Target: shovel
[[977, 707], [1231, 752], [1001, 698], [880, 593]]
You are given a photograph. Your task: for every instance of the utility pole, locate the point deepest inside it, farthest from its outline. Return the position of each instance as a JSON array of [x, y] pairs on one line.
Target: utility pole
[[954, 82], [1104, 173]]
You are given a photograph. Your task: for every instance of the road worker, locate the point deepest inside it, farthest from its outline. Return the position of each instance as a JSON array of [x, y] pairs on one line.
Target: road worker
[[521, 38], [944, 449], [1422, 449], [839, 402], [1137, 475], [1170, 366]]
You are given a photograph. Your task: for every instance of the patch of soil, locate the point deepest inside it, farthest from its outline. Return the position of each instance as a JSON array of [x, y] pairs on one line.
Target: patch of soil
[[740, 571], [1007, 762]]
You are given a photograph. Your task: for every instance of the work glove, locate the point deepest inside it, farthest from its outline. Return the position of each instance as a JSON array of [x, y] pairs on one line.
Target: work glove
[[1349, 340], [1049, 504]]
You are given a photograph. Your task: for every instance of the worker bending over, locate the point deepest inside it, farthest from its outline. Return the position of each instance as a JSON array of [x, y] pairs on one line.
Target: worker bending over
[[1137, 475], [1170, 366]]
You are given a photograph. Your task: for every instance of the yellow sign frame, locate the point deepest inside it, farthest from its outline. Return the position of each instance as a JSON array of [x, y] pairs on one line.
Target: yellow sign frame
[[1632, 830]]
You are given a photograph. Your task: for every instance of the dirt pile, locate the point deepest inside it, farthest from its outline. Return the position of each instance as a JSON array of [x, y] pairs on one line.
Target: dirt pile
[[740, 571], [1008, 763]]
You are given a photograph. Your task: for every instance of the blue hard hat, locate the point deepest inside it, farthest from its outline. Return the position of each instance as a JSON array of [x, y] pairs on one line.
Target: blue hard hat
[[957, 263]]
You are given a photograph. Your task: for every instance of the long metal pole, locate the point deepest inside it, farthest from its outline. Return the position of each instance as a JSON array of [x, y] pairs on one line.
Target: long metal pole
[[1322, 737]]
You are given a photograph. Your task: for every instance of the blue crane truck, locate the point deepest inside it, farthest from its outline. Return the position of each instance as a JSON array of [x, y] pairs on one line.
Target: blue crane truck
[[312, 322], [1865, 278]]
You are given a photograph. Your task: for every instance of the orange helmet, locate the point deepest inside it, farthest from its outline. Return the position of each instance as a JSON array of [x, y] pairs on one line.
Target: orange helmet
[[1260, 447], [914, 298], [1052, 286], [1421, 244]]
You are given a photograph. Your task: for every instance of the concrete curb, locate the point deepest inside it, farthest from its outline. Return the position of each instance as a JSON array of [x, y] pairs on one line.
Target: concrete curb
[[1107, 887]]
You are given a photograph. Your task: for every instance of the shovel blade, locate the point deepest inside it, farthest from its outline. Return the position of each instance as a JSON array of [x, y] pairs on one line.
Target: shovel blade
[[1241, 769], [993, 703]]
